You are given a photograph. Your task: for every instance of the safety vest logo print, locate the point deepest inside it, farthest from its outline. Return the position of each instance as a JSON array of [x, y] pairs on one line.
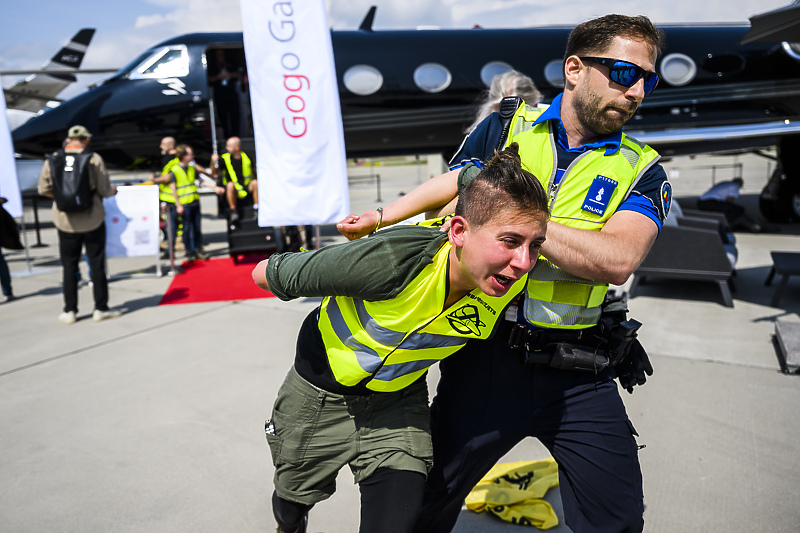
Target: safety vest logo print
[[600, 193], [466, 320]]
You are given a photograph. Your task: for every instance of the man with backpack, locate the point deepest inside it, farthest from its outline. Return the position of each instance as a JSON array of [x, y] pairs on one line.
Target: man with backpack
[[77, 180]]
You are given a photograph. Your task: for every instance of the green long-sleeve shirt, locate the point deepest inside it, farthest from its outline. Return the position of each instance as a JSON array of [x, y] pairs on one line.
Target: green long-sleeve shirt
[[374, 268]]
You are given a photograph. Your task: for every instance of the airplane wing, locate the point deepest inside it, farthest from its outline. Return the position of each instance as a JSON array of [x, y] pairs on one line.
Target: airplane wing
[[33, 93]]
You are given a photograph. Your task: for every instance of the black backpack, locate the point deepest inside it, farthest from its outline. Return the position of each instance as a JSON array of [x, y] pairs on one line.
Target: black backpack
[[71, 186]]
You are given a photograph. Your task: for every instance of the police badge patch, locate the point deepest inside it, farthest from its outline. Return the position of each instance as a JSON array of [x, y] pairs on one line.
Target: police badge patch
[[600, 193], [666, 198]]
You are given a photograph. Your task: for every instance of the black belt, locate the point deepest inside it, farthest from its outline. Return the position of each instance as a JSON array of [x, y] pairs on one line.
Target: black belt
[[521, 337]]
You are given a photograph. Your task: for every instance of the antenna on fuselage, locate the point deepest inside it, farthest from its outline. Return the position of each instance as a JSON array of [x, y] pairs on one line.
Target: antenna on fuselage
[[366, 24]]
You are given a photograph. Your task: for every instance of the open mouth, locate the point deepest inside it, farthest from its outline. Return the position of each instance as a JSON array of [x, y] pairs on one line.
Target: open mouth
[[503, 280]]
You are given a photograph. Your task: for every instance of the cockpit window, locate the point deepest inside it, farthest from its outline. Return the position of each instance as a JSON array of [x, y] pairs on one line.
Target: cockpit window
[[166, 62]]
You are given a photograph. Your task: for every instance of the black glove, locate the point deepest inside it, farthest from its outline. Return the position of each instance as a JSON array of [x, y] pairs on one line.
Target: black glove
[[631, 371]]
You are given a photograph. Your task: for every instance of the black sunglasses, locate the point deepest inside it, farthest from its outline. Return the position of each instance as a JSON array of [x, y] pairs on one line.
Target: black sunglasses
[[625, 73]]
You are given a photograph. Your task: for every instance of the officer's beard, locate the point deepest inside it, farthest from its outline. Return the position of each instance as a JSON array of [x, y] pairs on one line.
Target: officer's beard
[[599, 117]]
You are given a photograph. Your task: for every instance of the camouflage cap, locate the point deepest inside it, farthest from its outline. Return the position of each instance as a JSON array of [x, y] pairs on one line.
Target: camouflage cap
[[78, 131]]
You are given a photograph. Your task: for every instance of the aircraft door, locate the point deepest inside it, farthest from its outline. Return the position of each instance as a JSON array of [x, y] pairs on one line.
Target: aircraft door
[[229, 87]]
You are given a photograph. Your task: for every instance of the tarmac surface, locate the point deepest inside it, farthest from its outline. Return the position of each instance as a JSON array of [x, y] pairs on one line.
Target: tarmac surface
[[154, 421]]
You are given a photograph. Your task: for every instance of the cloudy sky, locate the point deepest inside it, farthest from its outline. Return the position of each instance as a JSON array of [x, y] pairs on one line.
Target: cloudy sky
[[31, 31]]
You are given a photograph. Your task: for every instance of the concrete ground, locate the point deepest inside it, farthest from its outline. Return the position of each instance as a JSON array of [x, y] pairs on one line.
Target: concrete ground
[[154, 421]]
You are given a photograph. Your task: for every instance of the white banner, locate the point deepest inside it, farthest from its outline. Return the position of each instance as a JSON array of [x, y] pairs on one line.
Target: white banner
[[132, 220], [302, 175], [9, 185]]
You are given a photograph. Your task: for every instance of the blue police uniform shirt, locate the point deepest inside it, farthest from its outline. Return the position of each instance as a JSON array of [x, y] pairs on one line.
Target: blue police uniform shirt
[[650, 196]]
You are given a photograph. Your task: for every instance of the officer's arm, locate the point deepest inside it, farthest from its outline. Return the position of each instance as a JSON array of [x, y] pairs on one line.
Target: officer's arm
[[431, 195], [608, 256]]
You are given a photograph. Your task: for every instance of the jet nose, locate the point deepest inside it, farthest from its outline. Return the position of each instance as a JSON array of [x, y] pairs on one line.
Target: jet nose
[[40, 135]]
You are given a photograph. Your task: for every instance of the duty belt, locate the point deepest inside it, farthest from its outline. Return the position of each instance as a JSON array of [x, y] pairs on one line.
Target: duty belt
[[588, 350], [521, 337]]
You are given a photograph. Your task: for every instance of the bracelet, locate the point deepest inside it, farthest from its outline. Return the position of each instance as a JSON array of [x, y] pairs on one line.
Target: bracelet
[[380, 219]]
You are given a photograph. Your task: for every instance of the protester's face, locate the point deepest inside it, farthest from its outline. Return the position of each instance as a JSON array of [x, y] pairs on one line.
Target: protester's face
[[189, 156], [603, 106], [500, 252], [232, 147]]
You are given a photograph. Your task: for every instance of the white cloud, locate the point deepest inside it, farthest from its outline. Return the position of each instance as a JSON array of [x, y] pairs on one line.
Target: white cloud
[[149, 20]]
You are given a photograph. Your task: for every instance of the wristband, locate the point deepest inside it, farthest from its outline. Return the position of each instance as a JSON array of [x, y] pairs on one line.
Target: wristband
[[380, 219]]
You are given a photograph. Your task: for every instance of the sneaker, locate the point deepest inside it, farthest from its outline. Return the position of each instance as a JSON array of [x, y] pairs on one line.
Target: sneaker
[[10, 298], [67, 317], [191, 257], [99, 315], [202, 255]]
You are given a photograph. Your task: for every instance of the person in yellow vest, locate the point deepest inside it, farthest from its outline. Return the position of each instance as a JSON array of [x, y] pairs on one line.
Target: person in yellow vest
[[357, 393], [550, 374], [182, 177], [165, 196], [238, 176]]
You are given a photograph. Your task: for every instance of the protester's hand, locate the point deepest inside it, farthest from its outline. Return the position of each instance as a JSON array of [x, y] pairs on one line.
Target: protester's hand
[[635, 368], [114, 188], [180, 209], [356, 226], [219, 190]]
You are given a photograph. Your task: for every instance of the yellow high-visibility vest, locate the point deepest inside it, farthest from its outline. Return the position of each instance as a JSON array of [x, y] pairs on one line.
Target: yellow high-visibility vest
[[247, 171], [164, 191], [184, 181], [389, 344], [588, 194]]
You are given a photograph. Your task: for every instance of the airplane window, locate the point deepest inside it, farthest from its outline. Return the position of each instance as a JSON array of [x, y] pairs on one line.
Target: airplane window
[[492, 69], [127, 69], [168, 62], [678, 69], [432, 77], [793, 49], [554, 73], [363, 79]]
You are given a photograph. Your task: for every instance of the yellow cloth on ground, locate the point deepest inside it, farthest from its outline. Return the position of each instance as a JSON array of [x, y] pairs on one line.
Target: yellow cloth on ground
[[514, 492]]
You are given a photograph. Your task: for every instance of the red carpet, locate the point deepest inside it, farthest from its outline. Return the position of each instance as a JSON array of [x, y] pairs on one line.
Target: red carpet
[[215, 280]]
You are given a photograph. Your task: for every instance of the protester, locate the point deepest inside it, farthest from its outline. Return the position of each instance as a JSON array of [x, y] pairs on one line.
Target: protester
[[550, 374], [165, 197], [238, 176], [77, 180], [182, 178], [394, 304]]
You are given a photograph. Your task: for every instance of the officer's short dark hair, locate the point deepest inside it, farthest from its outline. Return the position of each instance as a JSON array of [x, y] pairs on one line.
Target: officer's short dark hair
[[502, 186], [595, 36]]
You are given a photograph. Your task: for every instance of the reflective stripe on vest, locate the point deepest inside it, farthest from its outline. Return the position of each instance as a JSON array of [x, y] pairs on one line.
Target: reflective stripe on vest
[[164, 191], [556, 298], [247, 171], [184, 181], [387, 345]]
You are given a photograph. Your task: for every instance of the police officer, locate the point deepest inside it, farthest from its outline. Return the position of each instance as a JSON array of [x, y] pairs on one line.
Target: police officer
[[238, 176], [608, 198]]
